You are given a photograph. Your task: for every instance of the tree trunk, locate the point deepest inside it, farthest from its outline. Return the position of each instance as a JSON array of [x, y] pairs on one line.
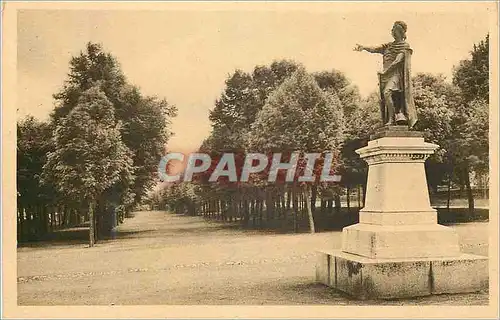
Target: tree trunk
[[52, 218], [253, 211], [57, 219], [323, 206], [68, 216], [485, 187], [288, 198], [36, 220], [270, 204], [92, 224], [225, 209], [309, 208], [96, 224], [449, 194], [45, 213], [261, 212], [76, 216], [283, 204], [218, 209], [234, 207], [338, 205], [20, 226], [470, 196], [314, 196], [348, 198], [359, 196], [301, 204], [295, 202], [230, 207], [62, 216], [237, 204], [246, 213], [277, 205]]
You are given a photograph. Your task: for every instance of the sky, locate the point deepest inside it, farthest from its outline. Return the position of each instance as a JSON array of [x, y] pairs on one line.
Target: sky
[[186, 55]]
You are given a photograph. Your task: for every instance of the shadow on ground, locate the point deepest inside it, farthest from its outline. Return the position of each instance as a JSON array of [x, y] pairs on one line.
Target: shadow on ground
[[318, 294], [63, 237], [323, 223]]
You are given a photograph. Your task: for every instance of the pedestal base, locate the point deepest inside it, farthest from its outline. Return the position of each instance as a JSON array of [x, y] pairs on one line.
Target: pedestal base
[[366, 278], [401, 241], [398, 249]]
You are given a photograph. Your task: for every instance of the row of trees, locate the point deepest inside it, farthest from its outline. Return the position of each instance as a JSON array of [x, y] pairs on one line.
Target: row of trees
[[284, 108], [96, 157]]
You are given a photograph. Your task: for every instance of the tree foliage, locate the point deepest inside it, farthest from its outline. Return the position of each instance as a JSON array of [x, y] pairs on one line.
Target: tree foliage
[[472, 75], [33, 145], [145, 121], [293, 118], [107, 137], [281, 108], [89, 154]]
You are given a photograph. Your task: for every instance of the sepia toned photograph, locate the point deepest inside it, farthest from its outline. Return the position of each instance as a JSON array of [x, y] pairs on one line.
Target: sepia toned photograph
[[235, 155]]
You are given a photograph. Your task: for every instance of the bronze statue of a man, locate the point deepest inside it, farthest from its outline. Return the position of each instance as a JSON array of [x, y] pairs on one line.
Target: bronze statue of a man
[[397, 105]]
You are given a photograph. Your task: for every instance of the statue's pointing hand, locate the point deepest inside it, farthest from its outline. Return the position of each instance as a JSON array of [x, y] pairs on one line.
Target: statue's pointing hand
[[358, 47]]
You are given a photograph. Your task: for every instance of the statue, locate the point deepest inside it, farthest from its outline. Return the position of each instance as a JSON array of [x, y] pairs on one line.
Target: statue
[[397, 105]]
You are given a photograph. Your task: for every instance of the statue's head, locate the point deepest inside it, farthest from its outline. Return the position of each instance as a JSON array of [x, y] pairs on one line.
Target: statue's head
[[399, 30]]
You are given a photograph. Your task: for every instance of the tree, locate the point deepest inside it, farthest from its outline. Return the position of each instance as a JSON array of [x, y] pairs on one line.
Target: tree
[[437, 101], [293, 120], [337, 83], [234, 111], [360, 123], [85, 70], [477, 132], [242, 99], [469, 146], [472, 75], [145, 121], [471, 143], [145, 130], [33, 144], [90, 156]]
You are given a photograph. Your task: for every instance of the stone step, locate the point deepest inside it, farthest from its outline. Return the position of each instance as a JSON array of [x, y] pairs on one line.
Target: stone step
[[365, 278]]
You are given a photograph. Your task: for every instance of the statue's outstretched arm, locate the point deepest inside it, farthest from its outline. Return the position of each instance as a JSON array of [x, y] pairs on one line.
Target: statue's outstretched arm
[[359, 47]]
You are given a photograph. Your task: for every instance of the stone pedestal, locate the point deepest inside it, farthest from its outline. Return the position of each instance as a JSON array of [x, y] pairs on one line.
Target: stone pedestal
[[398, 249]]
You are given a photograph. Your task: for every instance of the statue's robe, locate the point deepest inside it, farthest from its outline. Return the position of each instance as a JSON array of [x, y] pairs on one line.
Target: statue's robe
[[398, 79]]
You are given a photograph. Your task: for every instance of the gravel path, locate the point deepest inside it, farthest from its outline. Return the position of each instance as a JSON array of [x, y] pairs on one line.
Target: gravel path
[[159, 258]]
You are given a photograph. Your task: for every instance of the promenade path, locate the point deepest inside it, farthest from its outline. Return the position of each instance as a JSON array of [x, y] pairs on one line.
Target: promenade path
[[160, 258]]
